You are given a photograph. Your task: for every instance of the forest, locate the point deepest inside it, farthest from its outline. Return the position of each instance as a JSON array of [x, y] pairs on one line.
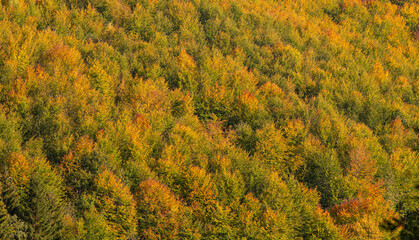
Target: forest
[[209, 119]]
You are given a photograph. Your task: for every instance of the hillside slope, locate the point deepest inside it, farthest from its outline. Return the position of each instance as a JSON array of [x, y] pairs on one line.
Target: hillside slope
[[209, 119]]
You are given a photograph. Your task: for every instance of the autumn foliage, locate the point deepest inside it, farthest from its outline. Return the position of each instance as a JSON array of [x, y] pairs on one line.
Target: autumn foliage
[[209, 119]]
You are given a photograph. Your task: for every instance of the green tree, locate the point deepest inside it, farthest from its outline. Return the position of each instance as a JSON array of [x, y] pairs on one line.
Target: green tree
[[115, 201], [34, 193], [11, 227]]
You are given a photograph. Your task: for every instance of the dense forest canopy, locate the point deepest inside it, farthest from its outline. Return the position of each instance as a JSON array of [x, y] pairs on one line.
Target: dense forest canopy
[[209, 119]]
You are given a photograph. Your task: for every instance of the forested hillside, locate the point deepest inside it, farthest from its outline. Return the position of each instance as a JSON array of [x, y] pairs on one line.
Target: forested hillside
[[209, 119]]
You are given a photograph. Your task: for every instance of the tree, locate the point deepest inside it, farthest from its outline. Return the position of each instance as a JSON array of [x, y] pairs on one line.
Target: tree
[[10, 226], [33, 192], [361, 217], [10, 138], [115, 202], [274, 150], [160, 214]]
